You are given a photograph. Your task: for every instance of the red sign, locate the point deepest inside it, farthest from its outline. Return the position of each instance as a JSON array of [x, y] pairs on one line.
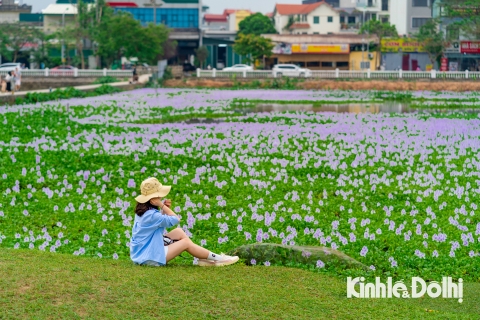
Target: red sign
[[470, 46], [444, 65]]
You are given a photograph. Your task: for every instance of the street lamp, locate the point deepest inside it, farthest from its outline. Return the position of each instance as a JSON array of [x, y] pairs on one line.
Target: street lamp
[[155, 4], [63, 40]]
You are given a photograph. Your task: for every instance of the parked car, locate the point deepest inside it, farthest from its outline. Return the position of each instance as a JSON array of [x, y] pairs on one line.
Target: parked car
[[5, 67], [239, 67], [187, 67], [290, 70], [63, 70]]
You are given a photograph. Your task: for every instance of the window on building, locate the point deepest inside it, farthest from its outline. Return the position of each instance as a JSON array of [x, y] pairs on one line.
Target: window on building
[[316, 33], [384, 19], [304, 18], [304, 32], [384, 5], [299, 63], [453, 32], [163, 19], [316, 20], [326, 64], [420, 3], [418, 22], [342, 64], [351, 20], [342, 19], [330, 19], [313, 64]]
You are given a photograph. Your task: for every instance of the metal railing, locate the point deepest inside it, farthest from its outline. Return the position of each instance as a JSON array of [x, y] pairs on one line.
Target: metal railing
[[343, 74], [73, 73]]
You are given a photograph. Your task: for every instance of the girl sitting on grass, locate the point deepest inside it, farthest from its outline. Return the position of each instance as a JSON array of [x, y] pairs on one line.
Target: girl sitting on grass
[[149, 245]]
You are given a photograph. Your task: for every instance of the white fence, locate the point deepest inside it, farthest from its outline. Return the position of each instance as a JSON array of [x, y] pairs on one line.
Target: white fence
[[75, 73], [340, 74]]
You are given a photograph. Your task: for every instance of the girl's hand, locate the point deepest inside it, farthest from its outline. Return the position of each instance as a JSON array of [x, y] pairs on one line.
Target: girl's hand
[[168, 203], [156, 202]]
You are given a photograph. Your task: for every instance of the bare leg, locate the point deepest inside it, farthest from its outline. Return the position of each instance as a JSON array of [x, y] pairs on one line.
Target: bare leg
[[175, 249], [177, 234]]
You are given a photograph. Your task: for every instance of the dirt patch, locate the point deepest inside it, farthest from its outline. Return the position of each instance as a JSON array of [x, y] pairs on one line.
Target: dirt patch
[[24, 289], [390, 85]]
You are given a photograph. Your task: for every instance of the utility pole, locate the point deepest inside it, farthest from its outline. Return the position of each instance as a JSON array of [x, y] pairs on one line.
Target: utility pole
[[154, 4], [362, 64]]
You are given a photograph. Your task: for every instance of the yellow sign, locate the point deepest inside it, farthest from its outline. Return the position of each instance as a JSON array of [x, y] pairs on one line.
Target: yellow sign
[[320, 48], [401, 45]]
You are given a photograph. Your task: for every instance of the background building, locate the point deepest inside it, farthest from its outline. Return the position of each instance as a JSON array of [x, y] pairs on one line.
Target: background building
[[219, 32], [409, 15], [10, 11], [315, 18], [322, 52], [182, 16]]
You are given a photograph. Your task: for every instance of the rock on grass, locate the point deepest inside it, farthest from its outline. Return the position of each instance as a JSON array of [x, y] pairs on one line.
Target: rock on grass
[[283, 255]]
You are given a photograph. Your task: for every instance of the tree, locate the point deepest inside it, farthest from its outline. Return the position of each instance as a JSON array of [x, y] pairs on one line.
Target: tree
[[381, 30], [120, 35], [254, 47], [467, 16], [432, 40], [256, 24], [202, 55], [15, 38]]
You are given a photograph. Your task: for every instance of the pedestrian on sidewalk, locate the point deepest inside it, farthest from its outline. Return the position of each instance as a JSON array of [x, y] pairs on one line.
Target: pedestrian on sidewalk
[[8, 81], [13, 81], [18, 79]]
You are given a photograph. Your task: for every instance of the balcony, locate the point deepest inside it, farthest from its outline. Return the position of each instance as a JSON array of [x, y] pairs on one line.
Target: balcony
[[350, 27]]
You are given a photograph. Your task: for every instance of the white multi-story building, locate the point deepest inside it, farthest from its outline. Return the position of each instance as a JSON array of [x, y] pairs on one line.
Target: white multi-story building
[[314, 18], [409, 15]]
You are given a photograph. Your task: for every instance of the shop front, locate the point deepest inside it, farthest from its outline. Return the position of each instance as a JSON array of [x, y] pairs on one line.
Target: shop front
[[404, 53], [462, 55], [314, 56]]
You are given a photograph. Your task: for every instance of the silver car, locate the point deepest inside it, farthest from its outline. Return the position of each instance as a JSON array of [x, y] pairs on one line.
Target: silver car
[[290, 70], [5, 67], [239, 67]]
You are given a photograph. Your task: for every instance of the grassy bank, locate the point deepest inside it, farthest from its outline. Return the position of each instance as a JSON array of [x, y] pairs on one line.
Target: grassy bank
[[43, 285], [312, 84]]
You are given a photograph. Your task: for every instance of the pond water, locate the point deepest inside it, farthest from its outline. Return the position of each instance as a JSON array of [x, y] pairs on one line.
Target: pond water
[[385, 107], [356, 108]]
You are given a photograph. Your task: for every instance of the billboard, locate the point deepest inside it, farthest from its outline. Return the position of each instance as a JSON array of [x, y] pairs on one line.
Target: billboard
[[470, 47], [310, 48], [320, 48], [401, 45]]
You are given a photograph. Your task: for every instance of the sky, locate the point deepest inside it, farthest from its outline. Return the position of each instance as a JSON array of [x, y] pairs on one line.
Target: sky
[[216, 6]]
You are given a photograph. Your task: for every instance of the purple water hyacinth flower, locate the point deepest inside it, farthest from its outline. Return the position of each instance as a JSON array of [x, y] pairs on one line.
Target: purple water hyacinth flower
[[81, 251], [115, 256], [320, 264], [364, 251], [306, 254], [267, 263], [86, 238], [253, 262], [248, 236], [372, 267]]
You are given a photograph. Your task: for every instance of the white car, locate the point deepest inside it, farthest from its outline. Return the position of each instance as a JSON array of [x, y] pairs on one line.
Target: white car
[[290, 70], [239, 67], [5, 67]]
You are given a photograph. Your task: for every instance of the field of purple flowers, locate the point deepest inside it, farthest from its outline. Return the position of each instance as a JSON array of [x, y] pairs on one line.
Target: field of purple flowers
[[399, 193]]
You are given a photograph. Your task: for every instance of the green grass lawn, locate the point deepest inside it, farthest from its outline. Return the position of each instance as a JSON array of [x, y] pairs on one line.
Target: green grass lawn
[[42, 285]]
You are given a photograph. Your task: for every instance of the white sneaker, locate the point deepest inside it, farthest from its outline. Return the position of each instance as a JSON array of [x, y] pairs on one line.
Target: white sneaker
[[226, 260]]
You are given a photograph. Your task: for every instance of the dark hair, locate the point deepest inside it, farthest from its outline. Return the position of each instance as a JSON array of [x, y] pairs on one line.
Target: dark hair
[[141, 208]]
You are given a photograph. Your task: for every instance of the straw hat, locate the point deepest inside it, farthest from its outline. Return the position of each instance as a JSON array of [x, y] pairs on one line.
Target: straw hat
[[152, 188]]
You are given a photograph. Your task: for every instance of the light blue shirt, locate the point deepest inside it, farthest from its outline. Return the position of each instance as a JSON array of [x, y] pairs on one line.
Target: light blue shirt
[[147, 236]]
